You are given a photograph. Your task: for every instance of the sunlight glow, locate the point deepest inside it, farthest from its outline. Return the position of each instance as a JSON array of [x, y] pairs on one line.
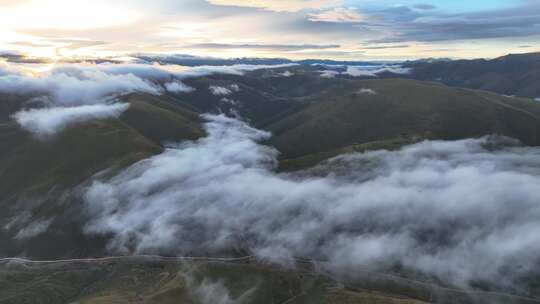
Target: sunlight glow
[[64, 14]]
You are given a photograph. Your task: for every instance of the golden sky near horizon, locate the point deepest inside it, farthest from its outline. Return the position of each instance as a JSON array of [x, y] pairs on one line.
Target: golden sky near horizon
[[338, 29]]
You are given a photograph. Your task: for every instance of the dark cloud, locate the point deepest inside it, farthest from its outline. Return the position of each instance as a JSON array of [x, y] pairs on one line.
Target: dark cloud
[[20, 57], [401, 46], [406, 24]]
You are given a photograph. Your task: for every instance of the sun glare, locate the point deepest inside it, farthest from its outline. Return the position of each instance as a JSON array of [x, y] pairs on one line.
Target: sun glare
[[64, 14]]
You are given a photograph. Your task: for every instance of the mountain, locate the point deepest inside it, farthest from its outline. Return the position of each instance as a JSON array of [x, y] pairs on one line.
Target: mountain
[[515, 74], [311, 118], [39, 173], [367, 111]]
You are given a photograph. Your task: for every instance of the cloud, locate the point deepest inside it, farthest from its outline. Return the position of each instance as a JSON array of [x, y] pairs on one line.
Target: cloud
[[207, 291], [280, 5], [410, 25], [329, 73], [338, 15], [365, 91], [217, 90], [382, 47], [72, 85], [223, 91], [461, 211], [287, 74], [10, 53], [67, 90], [178, 87], [33, 229], [48, 121], [78, 84], [374, 71]]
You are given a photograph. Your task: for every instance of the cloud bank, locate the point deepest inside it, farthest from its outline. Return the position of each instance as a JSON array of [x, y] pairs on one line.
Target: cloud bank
[[70, 89], [224, 91], [463, 212], [374, 71], [178, 87], [49, 121], [364, 70]]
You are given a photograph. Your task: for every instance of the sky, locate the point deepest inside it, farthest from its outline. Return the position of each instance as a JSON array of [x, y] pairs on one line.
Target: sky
[[296, 29]]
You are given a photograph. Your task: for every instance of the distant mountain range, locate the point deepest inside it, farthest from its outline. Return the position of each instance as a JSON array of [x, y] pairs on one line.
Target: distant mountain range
[[517, 74]]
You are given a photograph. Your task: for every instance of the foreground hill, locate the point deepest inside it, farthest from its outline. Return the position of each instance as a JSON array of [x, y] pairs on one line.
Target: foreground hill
[[517, 74], [162, 280]]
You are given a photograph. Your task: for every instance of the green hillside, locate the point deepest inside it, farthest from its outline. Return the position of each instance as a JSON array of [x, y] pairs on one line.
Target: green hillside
[[515, 74], [311, 118], [163, 281], [39, 175], [402, 110]]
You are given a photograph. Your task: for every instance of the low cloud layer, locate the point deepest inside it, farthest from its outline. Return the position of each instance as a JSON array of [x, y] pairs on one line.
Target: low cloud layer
[[374, 71], [363, 70], [464, 211], [69, 90], [224, 91], [49, 121], [178, 87], [366, 91], [33, 229]]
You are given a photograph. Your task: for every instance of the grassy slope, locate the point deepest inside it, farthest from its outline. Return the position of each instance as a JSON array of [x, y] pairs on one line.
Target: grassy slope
[[402, 110], [170, 282], [37, 164], [162, 282], [39, 174]]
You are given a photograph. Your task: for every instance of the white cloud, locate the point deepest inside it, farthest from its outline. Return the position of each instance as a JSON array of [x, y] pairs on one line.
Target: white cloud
[[178, 87], [33, 229], [338, 15], [287, 74], [223, 91], [365, 91], [48, 121], [74, 85], [280, 5], [329, 74], [71, 86], [217, 90], [460, 211], [89, 84], [374, 71]]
